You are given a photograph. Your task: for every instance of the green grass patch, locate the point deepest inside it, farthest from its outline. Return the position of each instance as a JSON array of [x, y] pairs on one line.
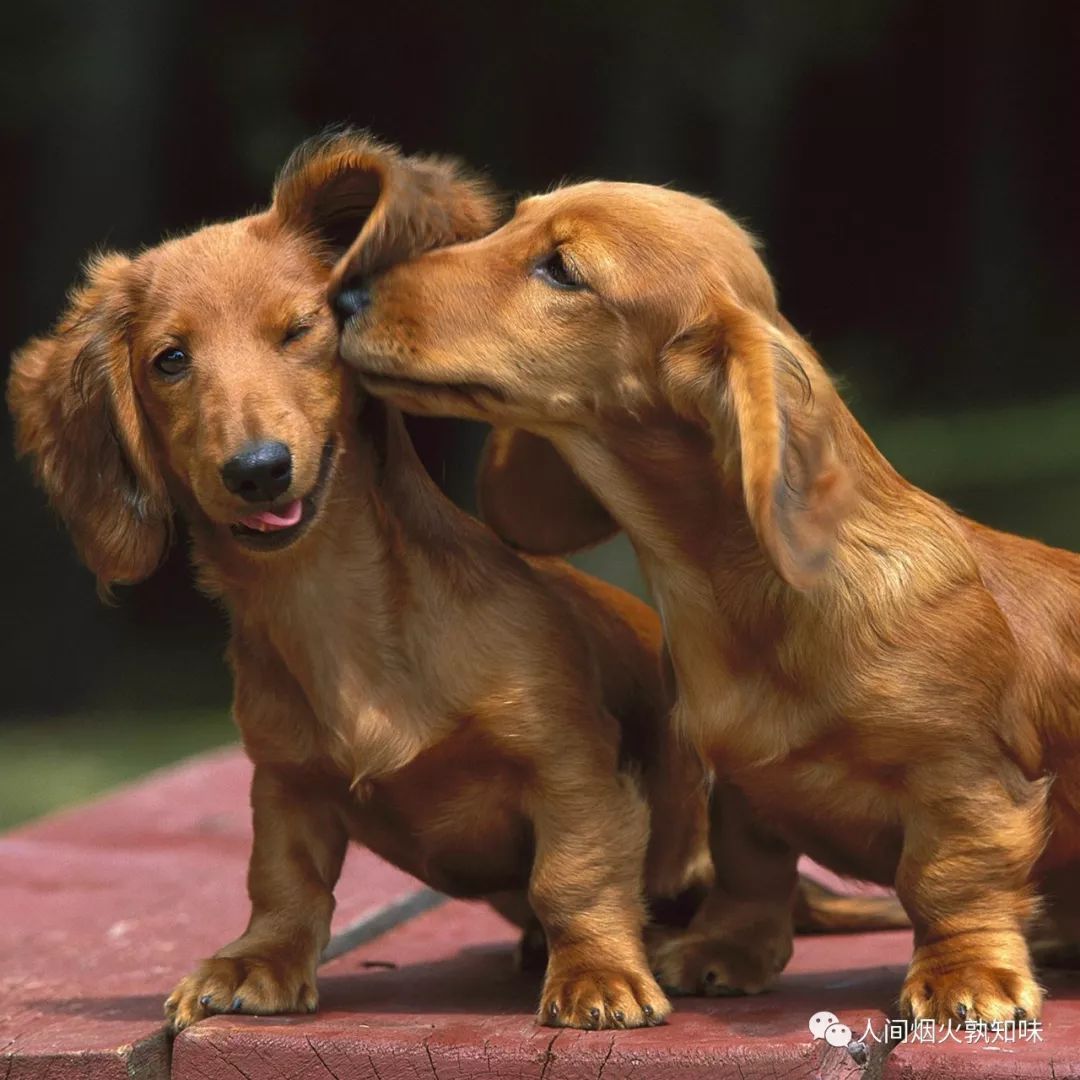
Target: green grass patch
[[46, 764]]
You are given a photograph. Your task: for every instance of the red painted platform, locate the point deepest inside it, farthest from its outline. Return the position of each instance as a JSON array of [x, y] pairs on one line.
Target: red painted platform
[[439, 996], [102, 909]]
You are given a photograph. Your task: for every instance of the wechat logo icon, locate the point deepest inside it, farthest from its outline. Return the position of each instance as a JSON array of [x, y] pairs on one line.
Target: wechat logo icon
[[827, 1026]]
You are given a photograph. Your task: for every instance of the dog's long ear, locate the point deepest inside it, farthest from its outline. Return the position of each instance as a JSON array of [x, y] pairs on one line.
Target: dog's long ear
[[533, 500], [768, 402], [368, 202], [78, 420]]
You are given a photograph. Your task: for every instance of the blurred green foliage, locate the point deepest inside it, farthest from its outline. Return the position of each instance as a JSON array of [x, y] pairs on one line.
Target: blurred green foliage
[[57, 762]]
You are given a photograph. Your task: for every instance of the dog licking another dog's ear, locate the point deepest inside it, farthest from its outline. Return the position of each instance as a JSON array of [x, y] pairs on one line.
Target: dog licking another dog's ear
[[488, 723]]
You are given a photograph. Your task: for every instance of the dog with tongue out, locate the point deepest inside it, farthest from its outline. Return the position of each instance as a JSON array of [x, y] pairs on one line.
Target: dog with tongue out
[[272, 521], [495, 726]]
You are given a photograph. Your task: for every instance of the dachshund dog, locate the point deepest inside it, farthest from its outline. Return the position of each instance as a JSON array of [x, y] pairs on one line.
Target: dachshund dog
[[876, 680], [402, 678]]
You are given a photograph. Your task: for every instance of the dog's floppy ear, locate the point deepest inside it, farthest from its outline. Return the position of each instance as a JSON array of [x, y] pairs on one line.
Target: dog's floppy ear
[[533, 500], [330, 185], [367, 201], [768, 401], [78, 420]]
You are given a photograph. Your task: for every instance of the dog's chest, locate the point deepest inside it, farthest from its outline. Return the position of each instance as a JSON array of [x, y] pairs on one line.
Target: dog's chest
[[822, 807], [369, 720], [452, 817], [811, 775]]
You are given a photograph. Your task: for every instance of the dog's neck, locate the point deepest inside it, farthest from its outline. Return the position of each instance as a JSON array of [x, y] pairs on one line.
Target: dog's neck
[[346, 610], [661, 482], [723, 607], [679, 498]]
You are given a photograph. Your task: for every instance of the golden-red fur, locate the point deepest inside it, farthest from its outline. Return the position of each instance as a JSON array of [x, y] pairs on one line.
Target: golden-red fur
[[402, 678], [877, 681], [496, 726]]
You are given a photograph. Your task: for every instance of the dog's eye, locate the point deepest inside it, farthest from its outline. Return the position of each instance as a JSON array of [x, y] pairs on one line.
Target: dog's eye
[[172, 363], [559, 270], [295, 332]]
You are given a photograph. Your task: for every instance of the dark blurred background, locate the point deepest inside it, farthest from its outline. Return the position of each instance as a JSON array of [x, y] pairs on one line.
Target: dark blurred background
[[912, 166]]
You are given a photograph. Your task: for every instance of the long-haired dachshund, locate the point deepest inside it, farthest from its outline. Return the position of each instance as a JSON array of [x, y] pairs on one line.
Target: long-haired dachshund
[[878, 681], [401, 677]]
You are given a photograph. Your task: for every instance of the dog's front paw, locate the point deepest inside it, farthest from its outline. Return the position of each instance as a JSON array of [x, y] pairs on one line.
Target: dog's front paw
[[974, 990], [258, 985], [687, 962], [602, 998]]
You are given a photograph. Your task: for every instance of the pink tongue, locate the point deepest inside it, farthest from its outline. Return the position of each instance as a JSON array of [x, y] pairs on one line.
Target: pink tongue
[[269, 521]]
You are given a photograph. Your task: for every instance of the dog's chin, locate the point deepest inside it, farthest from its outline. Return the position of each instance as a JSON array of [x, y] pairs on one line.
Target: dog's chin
[[431, 397], [274, 540]]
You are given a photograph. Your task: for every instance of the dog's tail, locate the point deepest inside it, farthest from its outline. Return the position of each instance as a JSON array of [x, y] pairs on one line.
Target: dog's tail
[[819, 910]]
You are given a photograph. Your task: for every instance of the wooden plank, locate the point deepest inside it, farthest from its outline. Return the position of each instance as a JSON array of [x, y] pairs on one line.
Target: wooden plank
[[1050, 1049], [440, 998], [104, 908]]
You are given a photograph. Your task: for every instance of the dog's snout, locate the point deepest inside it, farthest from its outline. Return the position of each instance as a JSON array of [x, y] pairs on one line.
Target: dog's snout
[[260, 471], [351, 299]]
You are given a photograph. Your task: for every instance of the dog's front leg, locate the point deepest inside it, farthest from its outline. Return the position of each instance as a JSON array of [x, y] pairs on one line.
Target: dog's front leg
[[741, 937], [299, 846], [591, 829], [965, 880]]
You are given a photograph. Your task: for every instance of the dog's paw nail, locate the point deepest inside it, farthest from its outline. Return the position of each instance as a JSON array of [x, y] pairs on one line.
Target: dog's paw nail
[[553, 1008], [237, 1004], [648, 1010], [594, 1015], [710, 978], [205, 1000], [619, 1018], [1019, 1013], [961, 1012]]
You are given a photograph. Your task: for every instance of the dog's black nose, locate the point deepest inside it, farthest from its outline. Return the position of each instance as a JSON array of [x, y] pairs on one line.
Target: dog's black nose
[[353, 297], [261, 471]]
